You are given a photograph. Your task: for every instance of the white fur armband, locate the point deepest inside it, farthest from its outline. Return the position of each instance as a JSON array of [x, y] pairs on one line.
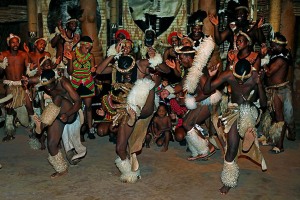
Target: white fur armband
[[212, 99], [190, 102], [4, 63], [138, 95], [265, 60], [112, 51], [156, 60], [29, 72]]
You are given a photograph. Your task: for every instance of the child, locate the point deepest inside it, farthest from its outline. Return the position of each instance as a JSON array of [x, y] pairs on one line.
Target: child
[[162, 127]]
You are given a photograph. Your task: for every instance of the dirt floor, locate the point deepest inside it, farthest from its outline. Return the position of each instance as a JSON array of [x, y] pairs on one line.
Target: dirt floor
[[25, 174]]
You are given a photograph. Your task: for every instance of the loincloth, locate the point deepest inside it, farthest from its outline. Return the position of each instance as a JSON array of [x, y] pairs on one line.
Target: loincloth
[[283, 92], [15, 88], [246, 116]]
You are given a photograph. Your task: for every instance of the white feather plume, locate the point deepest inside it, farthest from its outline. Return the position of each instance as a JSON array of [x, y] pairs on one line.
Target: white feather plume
[[200, 60]]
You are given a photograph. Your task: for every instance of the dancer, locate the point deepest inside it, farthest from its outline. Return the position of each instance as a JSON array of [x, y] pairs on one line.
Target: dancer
[[279, 93], [14, 63], [241, 117]]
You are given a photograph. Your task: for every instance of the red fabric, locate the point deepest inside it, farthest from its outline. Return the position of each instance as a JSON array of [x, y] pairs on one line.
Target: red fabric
[[176, 108], [124, 32], [173, 34]]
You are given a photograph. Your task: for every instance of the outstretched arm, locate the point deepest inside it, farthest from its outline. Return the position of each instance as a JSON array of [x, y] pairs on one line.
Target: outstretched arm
[[219, 37], [210, 85], [101, 68]]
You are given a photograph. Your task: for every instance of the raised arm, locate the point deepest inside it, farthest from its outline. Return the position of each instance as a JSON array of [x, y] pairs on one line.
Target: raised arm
[[210, 84], [70, 56], [220, 37]]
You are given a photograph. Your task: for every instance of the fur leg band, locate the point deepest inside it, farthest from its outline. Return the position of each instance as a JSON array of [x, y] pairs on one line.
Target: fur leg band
[[275, 131], [230, 174], [50, 113], [200, 144], [127, 175], [58, 162], [9, 126]]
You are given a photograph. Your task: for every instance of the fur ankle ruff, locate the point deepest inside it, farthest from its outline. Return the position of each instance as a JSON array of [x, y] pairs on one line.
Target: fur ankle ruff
[[58, 162], [127, 175], [230, 174]]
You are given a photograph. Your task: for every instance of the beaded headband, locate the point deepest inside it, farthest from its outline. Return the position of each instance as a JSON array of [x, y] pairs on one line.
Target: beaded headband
[[125, 70], [246, 35], [278, 41]]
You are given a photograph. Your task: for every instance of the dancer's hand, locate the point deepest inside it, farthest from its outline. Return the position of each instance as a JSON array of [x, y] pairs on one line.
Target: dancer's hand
[[214, 20], [25, 47], [213, 70], [68, 55], [64, 117]]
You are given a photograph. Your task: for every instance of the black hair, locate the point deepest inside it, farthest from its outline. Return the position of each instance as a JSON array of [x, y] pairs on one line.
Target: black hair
[[48, 74], [86, 39], [242, 66]]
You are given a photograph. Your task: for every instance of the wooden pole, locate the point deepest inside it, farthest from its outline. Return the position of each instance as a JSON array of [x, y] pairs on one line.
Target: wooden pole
[[89, 26], [288, 29], [275, 10], [195, 5], [208, 29], [32, 18]]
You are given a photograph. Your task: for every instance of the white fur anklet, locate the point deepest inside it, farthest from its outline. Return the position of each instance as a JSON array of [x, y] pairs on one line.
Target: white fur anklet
[[230, 174]]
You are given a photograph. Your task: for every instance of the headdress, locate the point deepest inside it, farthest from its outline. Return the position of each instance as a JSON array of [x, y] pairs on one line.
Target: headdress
[[184, 50], [47, 77], [242, 69], [125, 64], [36, 41], [75, 13], [187, 38], [279, 39], [11, 36], [242, 4], [149, 38], [86, 39], [44, 60], [196, 19], [246, 35], [171, 35], [122, 32]]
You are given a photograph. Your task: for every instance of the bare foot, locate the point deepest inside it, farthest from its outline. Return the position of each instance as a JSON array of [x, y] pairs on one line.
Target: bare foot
[[164, 149], [57, 174], [38, 124], [200, 156], [224, 190], [248, 139], [132, 117]]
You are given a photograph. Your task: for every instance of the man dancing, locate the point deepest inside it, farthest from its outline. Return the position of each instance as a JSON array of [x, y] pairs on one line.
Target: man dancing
[[59, 117], [241, 117], [13, 63]]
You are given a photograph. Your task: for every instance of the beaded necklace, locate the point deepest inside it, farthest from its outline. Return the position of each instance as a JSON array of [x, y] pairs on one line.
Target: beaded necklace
[[82, 59]]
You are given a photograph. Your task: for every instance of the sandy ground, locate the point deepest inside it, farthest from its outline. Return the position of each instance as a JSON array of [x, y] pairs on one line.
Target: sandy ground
[[25, 174]]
